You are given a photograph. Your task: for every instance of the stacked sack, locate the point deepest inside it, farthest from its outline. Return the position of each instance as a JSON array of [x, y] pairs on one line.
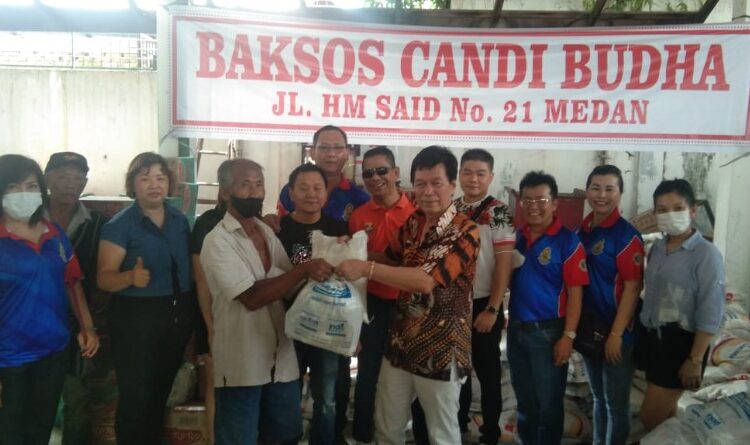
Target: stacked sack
[[719, 412]]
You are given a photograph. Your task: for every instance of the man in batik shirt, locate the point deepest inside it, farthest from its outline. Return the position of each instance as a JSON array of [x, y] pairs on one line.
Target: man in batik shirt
[[432, 261]]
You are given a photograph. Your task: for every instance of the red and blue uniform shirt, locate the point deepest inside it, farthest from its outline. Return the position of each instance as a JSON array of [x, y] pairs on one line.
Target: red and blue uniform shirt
[[553, 262], [341, 201], [614, 254], [34, 307]]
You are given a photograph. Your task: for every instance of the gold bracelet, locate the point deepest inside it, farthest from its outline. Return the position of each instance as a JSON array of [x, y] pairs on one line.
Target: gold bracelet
[[372, 269]]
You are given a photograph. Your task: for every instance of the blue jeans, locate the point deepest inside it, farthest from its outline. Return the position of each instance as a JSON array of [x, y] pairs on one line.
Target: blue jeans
[[373, 338], [610, 384], [324, 370], [270, 412], [539, 385]]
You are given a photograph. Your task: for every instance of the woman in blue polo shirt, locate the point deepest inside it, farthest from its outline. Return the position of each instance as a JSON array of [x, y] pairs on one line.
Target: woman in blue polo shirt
[[39, 284], [144, 259], [614, 255], [682, 306]]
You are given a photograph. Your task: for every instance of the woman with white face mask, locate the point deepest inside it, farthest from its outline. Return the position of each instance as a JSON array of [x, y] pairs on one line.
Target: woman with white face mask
[[682, 306], [39, 288]]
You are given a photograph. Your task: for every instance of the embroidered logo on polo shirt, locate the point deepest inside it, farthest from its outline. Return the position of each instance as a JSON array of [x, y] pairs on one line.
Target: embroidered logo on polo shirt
[[583, 266], [545, 257], [368, 227], [348, 211], [638, 259], [598, 248]]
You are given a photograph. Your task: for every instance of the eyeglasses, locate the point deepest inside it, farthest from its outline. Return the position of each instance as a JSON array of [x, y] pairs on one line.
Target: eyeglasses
[[540, 203], [336, 148], [370, 172]]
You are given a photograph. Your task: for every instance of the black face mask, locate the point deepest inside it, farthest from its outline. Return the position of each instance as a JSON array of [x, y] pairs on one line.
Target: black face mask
[[247, 207]]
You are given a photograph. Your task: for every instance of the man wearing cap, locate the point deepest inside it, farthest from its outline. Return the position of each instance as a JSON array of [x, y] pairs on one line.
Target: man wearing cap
[[66, 178]]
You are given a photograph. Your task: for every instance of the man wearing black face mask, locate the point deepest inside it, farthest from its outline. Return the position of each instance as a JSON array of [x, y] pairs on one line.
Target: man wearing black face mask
[[248, 274]]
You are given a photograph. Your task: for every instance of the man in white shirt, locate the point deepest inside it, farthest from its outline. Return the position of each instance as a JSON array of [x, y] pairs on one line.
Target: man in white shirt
[[248, 273]]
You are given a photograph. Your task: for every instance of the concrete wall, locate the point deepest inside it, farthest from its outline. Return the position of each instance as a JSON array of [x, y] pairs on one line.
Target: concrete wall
[[108, 116]]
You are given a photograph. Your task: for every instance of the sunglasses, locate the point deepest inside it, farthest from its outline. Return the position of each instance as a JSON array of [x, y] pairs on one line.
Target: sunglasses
[[380, 171]]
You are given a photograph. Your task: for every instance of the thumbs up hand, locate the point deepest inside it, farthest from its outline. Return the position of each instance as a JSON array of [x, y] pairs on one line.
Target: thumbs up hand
[[139, 275]]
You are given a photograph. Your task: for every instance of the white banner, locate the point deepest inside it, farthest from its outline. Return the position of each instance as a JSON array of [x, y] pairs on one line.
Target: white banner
[[235, 74]]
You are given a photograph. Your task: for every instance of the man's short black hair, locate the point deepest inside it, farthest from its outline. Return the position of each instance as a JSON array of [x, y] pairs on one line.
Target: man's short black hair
[[535, 178], [679, 186], [325, 128], [432, 156], [478, 154], [306, 168], [380, 150], [608, 169]]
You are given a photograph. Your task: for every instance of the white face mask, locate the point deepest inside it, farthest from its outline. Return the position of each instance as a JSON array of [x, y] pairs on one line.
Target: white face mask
[[22, 205], [673, 223]]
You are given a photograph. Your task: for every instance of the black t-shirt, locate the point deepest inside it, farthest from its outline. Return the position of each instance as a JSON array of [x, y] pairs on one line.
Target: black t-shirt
[[296, 236], [204, 224]]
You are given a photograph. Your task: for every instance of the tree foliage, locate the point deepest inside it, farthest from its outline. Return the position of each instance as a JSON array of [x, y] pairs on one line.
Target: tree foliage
[[637, 5], [410, 4]]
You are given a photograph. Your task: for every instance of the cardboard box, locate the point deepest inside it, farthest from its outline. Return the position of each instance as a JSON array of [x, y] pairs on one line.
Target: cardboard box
[[645, 222], [186, 425]]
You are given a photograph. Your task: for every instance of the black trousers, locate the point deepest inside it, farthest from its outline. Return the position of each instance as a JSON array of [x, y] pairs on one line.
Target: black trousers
[[149, 336], [29, 398], [485, 358]]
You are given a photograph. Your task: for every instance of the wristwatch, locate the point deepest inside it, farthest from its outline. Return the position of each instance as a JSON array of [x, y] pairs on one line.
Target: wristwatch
[[491, 309], [570, 334]]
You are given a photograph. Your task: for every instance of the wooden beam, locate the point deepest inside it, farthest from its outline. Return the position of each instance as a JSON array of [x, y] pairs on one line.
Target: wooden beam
[[705, 11], [484, 18], [497, 11], [596, 11], [131, 21]]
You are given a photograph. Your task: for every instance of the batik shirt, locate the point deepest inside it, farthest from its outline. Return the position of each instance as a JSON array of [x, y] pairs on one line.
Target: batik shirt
[[430, 331]]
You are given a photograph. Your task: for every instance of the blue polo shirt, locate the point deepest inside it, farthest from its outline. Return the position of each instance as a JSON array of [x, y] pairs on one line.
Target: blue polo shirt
[[34, 307], [140, 237], [614, 254], [341, 201], [552, 262]]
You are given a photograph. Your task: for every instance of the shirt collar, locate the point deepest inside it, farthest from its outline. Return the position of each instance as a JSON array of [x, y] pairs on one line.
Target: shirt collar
[[344, 184], [442, 223], [81, 215], [609, 221], [50, 231], [403, 202], [232, 224], [169, 211], [692, 241], [551, 230], [474, 204]]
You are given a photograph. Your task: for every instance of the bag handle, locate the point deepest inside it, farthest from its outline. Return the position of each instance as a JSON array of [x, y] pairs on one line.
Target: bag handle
[[481, 208]]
